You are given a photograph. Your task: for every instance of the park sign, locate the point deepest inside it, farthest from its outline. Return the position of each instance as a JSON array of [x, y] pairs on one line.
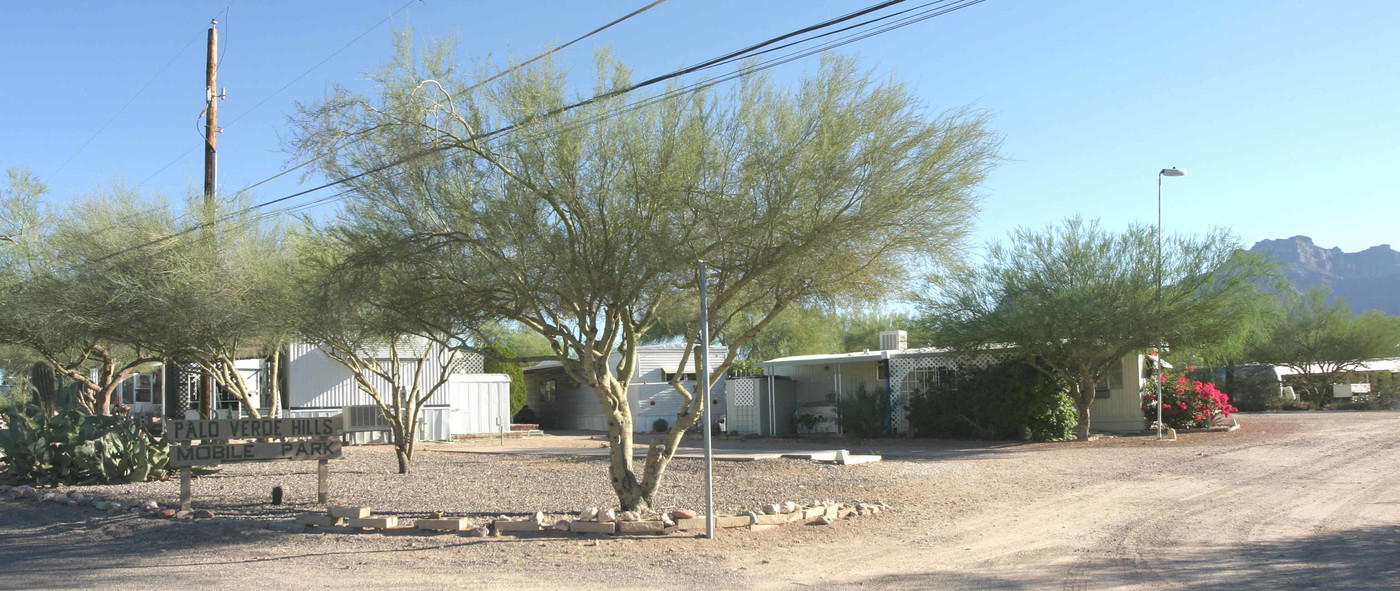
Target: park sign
[[300, 438], [214, 447], [190, 430]]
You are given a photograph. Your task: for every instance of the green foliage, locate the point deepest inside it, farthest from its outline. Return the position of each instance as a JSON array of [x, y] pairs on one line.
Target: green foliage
[[1075, 299], [45, 385], [497, 351], [863, 413], [808, 422], [75, 448], [660, 426], [1323, 340], [1008, 400]]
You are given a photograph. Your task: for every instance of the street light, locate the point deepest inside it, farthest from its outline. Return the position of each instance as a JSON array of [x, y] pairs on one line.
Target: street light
[[1157, 361]]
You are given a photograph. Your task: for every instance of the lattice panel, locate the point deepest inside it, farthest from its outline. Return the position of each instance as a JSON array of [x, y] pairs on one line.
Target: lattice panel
[[743, 391], [911, 374], [468, 363]]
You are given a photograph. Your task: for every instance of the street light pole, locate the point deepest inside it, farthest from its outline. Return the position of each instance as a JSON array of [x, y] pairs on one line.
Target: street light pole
[[1157, 359]]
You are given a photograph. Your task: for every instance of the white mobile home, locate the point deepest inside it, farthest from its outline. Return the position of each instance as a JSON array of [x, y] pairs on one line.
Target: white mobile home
[[560, 403], [816, 380]]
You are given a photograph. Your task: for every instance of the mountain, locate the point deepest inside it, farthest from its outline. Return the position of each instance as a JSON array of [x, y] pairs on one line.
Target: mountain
[[1369, 280]]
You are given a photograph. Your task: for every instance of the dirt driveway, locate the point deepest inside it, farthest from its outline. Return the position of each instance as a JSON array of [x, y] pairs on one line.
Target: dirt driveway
[[1290, 501]]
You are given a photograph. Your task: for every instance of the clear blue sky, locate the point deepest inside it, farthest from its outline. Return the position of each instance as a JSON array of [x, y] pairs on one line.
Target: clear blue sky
[[1286, 114]]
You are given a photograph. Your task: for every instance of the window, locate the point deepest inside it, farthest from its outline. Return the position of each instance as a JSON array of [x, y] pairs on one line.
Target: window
[[549, 390], [1111, 381]]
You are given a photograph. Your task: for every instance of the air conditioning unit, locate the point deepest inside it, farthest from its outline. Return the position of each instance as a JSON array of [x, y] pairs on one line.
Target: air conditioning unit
[[364, 418], [1349, 390], [894, 340]]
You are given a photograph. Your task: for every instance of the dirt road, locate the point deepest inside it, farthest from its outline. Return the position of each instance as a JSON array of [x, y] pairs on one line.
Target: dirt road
[[1290, 501]]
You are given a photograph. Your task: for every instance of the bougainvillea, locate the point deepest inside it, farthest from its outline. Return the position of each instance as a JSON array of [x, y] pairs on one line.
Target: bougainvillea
[[1186, 403]]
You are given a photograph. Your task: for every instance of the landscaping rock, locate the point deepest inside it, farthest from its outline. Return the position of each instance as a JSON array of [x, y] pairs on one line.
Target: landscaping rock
[[788, 507], [51, 497], [607, 516], [435, 515], [27, 492], [823, 520], [593, 527], [203, 514], [772, 509], [477, 532], [384, 522], [453, 524], [102, 505], [628, 516], [165, 513], [147, 506], [319, 520], [589, 514], [349, 512], [640, 527], [183, 514], [684, 514], [561, 525]]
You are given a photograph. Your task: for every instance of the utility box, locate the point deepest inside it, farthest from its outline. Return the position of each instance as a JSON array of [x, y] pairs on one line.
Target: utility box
[[760, 406], [1349, 390]]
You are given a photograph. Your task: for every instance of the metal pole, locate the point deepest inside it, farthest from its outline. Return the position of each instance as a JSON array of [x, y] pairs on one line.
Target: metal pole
[[702, 387], [1157, 359]]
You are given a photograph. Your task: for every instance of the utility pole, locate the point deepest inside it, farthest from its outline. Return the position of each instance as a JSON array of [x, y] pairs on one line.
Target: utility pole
[[211, 167], [211, 115]]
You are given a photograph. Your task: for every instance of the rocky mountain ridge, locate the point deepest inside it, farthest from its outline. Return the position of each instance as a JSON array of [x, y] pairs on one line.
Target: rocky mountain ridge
[[1368, 280]]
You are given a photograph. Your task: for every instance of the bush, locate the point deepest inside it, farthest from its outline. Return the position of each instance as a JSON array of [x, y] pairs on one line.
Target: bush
[[1186, 403], [516, 373], [660, 426], [863, 413], [74, 448], [1009, 400]]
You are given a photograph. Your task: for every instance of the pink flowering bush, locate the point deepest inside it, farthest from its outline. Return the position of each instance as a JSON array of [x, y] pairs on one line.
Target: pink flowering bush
[[1186, 403]]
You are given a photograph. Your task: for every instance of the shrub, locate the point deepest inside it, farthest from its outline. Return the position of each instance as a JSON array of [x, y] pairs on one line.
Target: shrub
[[1186, 403], [660, 426], [1009, 400], [75, 448], [863, 413], [516, 373], [808, 422]]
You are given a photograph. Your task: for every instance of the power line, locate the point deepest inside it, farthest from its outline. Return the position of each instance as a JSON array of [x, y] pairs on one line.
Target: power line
[[937, 8]]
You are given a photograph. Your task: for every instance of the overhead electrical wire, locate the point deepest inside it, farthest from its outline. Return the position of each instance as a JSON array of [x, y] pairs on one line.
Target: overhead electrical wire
[[931, 10]]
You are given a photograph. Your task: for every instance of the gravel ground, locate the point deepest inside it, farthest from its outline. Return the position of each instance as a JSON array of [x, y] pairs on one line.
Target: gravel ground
[[1296, 500]]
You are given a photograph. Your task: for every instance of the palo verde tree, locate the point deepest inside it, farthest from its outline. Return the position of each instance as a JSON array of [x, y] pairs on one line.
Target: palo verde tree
[[47, 305], [1075, 299], [1321, 340], [364, 317], [580, 223]]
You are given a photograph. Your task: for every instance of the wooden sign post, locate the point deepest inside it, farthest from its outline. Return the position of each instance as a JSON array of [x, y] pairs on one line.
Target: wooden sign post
[[309, 438]]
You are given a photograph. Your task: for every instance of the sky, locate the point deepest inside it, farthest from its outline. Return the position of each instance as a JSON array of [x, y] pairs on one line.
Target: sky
[[1284, 114]]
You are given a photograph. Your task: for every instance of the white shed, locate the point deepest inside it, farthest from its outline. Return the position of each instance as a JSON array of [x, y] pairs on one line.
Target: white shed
[[479, 403]]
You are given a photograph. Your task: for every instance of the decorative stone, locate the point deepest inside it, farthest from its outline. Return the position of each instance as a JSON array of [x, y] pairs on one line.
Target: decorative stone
[[349, 512], [319, 520], [477, 532], [684, 514], [453, 524], [435, 515], [593, 527], [823, 520], [589, 514], [607, 516], [788, 507], [384, 522], [166, 513], [640, 527], [528, 525], [561, 525], [102, 505], [203, 514], [666, 519], [26, 491], [51, 497], [628, 516], [538, 518], [148, 506], [183, 514], [772, 509]]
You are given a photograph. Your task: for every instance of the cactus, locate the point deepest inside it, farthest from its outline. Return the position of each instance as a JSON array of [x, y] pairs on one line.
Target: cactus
[[45, 384]]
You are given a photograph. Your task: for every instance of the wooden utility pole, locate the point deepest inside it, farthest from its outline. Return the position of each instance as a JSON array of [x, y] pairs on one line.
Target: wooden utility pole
[[211, 167], [211, 114]]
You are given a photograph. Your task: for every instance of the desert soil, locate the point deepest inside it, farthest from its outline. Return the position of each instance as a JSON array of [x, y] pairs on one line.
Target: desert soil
[[1289, 501]]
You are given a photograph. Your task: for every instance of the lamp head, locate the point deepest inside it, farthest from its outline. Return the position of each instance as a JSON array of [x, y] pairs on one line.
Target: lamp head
[[1173, 171]]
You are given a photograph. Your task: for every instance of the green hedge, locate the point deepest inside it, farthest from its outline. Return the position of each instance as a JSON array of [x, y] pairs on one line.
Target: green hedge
[[1010, 400]]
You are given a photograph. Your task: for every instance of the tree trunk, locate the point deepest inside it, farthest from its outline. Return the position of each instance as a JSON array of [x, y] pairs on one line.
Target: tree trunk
[[630, 494], [1083, 399]]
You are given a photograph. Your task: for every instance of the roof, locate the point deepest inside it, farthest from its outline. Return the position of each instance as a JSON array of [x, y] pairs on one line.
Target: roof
[[830, 358], [1390, 364]]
